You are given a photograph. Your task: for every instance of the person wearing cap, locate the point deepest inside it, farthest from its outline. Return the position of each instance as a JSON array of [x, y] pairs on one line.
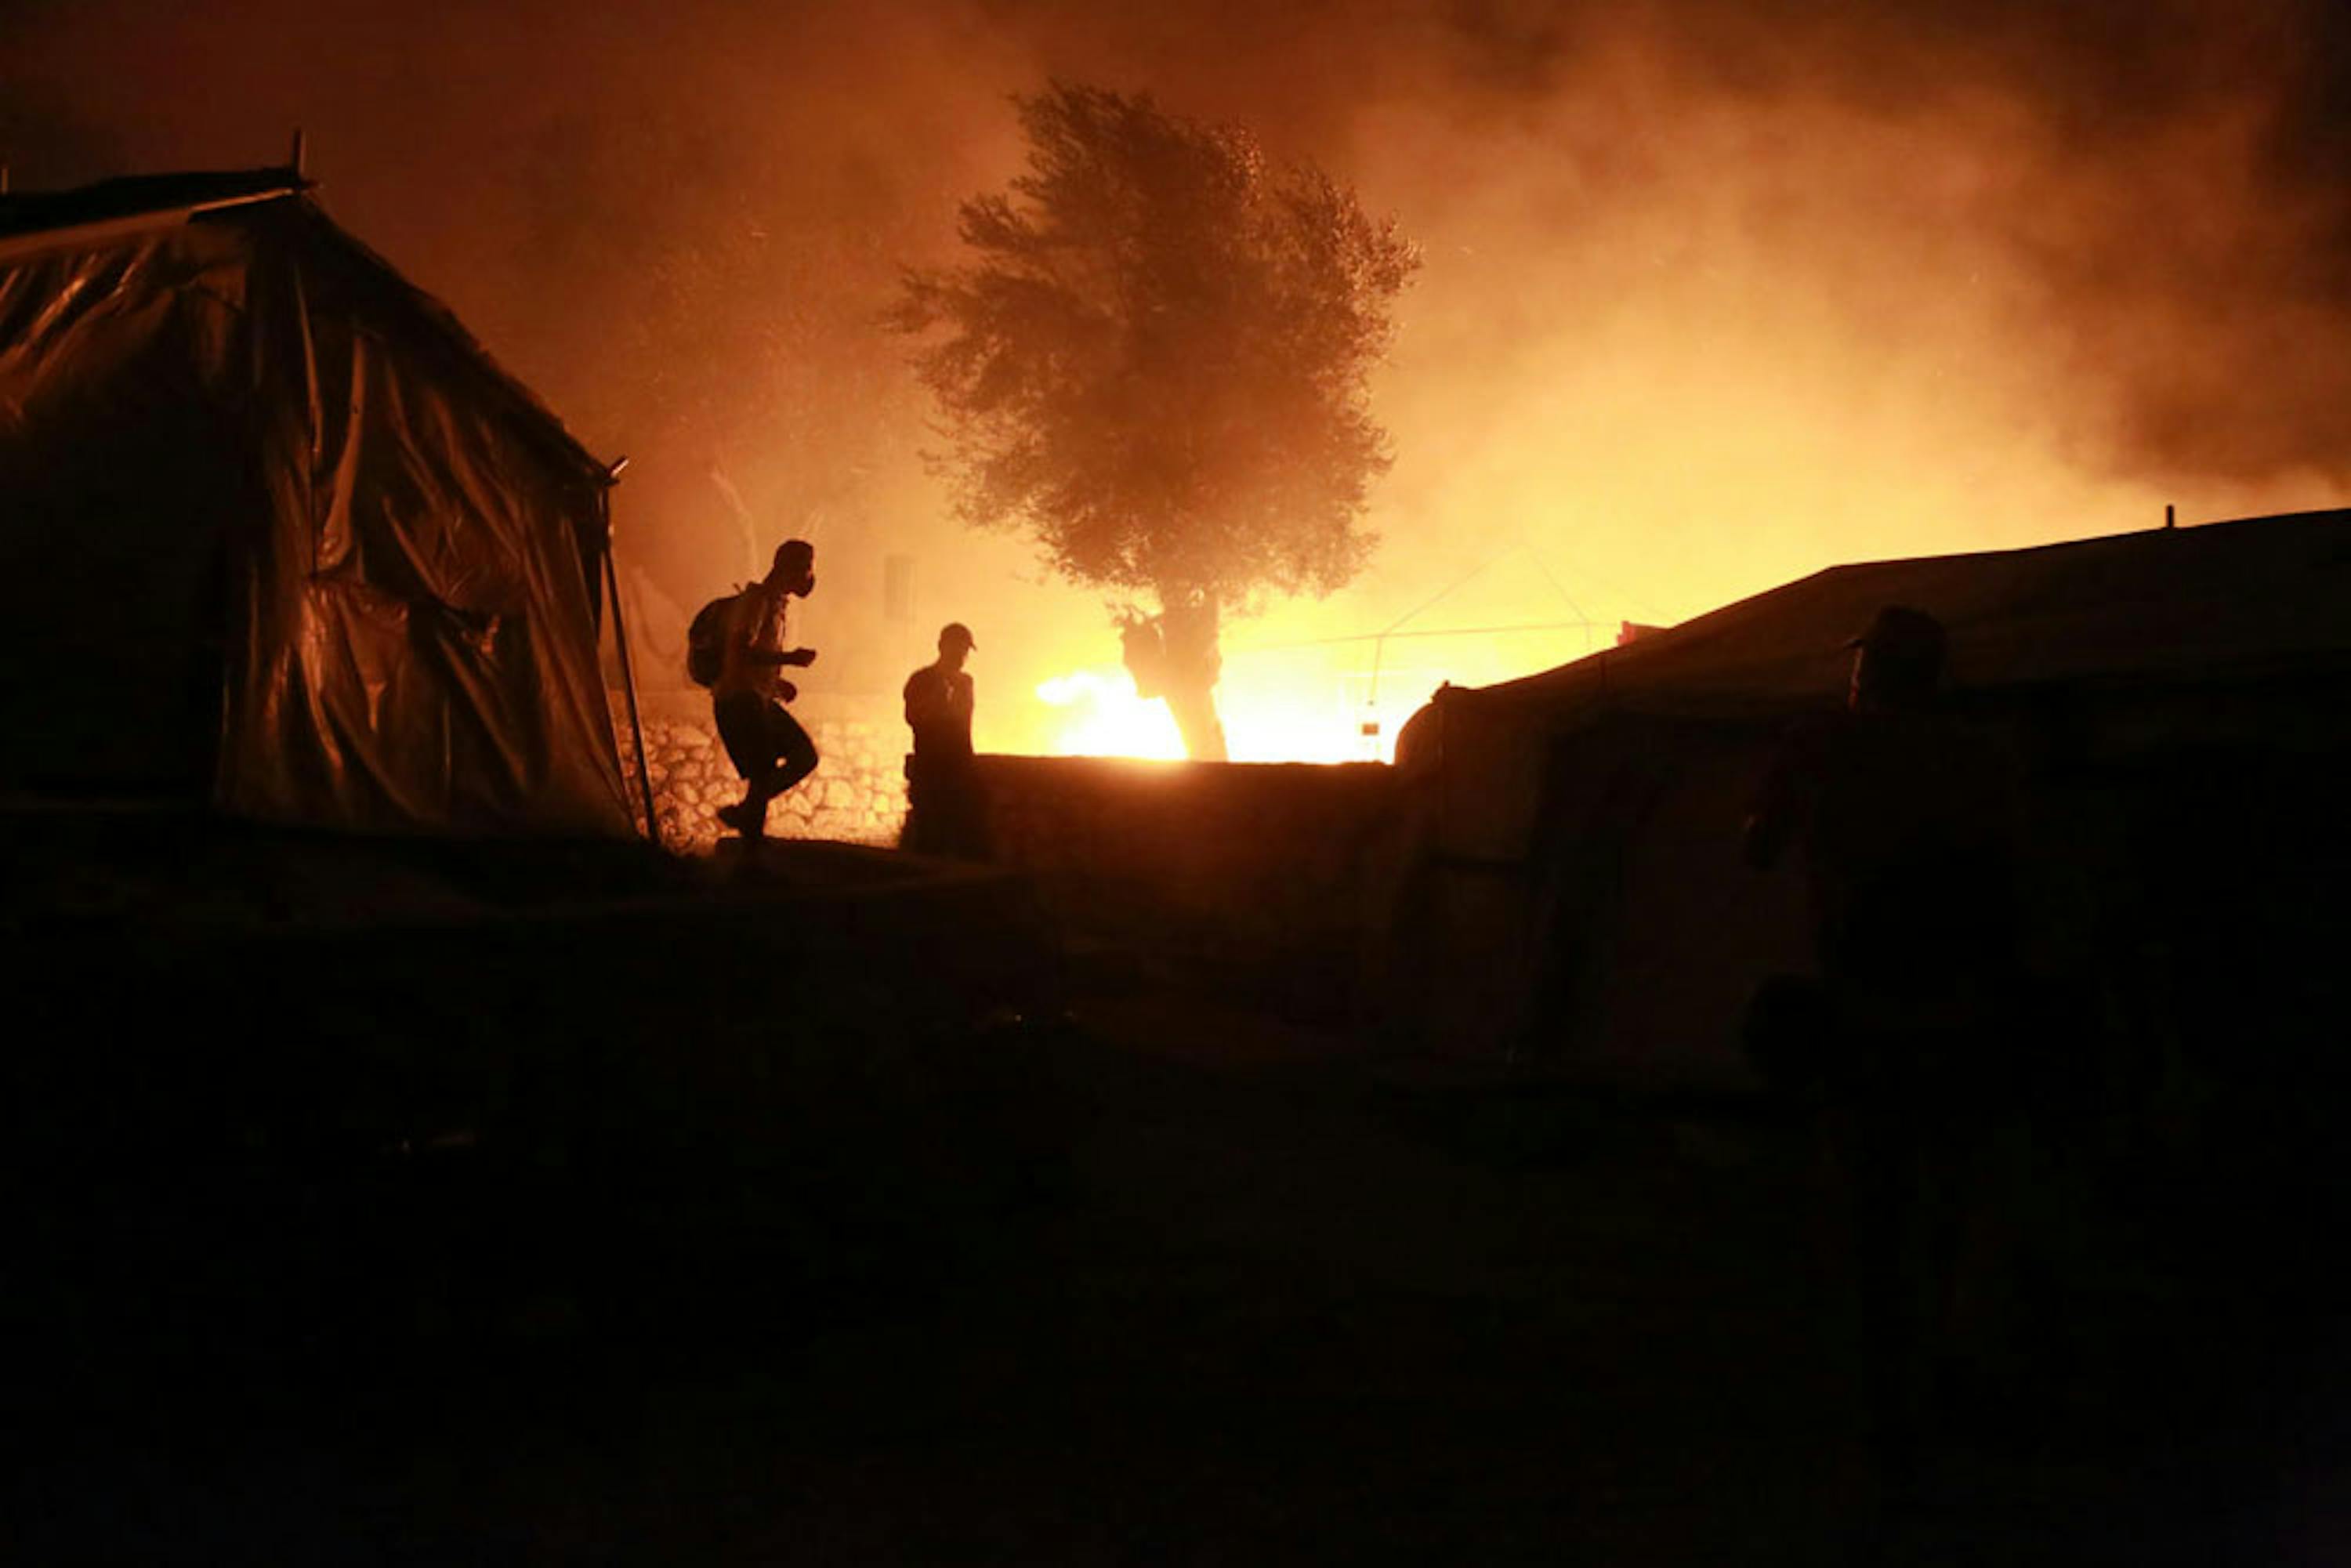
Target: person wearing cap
[[1902, 816], [945, 812], [768, 745]]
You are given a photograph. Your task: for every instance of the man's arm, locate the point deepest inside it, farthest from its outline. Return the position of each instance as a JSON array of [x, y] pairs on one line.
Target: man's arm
[[1781, 808], [925, 699], [1769, 829]]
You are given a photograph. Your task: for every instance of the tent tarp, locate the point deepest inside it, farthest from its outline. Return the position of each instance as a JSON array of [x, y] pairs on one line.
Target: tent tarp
[[274, 528], [1583, 897], [2223, 601]]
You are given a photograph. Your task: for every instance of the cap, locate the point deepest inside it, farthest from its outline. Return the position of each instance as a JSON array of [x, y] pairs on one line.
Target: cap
[[1900, 633], [956, 631]]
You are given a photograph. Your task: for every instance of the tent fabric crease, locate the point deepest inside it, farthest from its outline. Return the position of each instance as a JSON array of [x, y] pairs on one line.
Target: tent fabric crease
[[275, 531]]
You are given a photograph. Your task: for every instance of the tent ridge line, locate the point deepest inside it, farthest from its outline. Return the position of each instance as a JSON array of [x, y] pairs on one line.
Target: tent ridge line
[[34, 242]]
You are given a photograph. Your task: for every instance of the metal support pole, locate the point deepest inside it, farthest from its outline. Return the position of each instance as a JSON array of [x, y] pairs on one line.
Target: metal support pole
[[628, 677]]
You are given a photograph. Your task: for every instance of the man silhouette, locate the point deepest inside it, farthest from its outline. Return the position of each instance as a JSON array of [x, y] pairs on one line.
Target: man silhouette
[[1904, 818], [945, 812], [764, 741]]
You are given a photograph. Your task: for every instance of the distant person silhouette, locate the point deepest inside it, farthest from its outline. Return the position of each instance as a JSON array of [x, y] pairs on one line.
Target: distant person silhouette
[[946, 812], [764, 741], [1905, 817]]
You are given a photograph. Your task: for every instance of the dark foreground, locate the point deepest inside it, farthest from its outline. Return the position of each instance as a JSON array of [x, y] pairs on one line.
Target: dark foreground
[[1154, 1282]]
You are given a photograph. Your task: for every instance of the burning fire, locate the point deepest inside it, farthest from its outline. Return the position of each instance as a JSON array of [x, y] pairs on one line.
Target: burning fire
[[1096, 714], [1099, 714], [1305, 705]]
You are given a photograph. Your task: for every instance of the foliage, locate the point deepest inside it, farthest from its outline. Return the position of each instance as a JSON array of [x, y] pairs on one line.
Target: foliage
[[1157, 361]]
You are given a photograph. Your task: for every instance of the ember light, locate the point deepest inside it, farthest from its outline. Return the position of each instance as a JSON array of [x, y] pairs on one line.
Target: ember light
[[1095, 713]]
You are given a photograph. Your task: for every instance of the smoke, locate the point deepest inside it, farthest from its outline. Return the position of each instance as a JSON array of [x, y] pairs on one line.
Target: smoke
[[1717, 291]]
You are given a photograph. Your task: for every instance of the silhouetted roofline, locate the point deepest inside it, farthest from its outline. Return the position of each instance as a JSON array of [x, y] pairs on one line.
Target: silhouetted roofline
[[110, 210], [32, 220], [1778, 625]]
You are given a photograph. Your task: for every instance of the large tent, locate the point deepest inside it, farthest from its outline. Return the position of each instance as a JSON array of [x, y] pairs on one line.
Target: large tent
[[2175, 697], [277, 534]]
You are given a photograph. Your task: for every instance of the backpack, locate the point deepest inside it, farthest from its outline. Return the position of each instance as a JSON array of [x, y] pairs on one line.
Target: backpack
[[706, 639]]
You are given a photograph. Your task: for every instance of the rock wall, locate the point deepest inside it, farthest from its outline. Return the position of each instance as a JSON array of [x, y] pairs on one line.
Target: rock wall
[[1266, 879], [857, 795], [1269, 880]]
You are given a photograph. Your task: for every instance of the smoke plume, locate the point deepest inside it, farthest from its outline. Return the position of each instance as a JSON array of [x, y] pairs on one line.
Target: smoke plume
[[1717, 291]]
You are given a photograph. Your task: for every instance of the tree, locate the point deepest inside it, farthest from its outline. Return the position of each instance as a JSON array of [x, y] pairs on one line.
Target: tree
[[1156, 362]]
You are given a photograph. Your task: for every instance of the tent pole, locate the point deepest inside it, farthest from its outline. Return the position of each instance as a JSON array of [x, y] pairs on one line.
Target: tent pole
[[628, 677]]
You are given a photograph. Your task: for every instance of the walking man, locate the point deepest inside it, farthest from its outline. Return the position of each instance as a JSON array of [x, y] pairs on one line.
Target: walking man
[[765, 742]]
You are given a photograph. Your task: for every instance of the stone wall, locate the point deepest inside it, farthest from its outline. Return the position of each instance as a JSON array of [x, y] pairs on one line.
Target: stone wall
[[1267, 880], [857, 795]]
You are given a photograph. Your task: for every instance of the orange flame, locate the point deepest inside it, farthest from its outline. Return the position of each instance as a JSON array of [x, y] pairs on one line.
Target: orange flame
[[1296, 703], [1099, 714]]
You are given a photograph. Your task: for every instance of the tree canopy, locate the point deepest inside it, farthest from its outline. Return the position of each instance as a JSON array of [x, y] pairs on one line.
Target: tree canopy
[[1156, 359]]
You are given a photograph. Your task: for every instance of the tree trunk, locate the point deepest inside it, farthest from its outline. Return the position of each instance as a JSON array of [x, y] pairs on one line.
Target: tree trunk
[[1196, 719], [1187, 628], [1173, 657]]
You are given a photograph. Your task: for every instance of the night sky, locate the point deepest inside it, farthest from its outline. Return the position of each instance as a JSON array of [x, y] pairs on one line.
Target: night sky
[[1715, 294]]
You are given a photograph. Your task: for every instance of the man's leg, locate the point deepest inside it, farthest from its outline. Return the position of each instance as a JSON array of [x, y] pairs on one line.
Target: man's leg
[[967, 835], [917, 833], [744, 731], [792, 747]]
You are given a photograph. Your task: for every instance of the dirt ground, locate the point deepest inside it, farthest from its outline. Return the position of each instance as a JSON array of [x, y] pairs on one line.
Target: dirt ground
[[1253, 1301]]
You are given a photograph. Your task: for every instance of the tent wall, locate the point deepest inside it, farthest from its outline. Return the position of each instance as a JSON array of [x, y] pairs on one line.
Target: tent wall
[[1608, 923], [1583, 898], [2181, 859], [1650, 932], [122, 475], [405, 602]]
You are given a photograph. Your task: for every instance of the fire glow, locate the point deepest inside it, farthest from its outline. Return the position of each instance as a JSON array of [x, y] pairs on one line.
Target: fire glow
[[1096, 713], [1714, 297], [1318, 703]]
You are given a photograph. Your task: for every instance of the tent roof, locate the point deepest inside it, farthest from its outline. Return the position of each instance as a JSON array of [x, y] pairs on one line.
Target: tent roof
[[2223, 598], [41, 220], [89, 216]]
